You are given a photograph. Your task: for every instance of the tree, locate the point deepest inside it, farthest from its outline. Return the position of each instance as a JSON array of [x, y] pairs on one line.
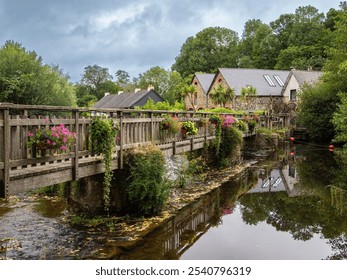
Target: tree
[[302, 39], [188, 91], [122, 77], [24, 79], [340, 120], [210, 49], [157, 77], [222, 96], [319, 104], [167, 83], [94, 77], [258, 47]]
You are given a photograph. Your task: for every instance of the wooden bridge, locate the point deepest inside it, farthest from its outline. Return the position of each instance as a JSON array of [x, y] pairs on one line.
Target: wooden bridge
[[24, 169]]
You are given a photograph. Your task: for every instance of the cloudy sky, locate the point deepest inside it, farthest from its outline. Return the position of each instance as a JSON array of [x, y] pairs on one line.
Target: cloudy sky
[[132, 35]]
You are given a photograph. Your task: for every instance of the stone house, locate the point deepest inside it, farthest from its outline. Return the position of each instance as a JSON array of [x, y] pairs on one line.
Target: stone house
[[296, 80], [272, 87]]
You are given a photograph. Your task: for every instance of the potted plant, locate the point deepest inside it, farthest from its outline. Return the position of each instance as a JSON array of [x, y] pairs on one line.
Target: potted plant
[[170, 124], [57, 138], [188, 128]]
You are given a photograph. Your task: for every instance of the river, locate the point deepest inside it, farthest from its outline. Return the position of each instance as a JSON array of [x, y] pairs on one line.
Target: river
[[291, 205]]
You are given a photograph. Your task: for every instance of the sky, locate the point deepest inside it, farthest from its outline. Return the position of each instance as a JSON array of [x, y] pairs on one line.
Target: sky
[[133, 35]]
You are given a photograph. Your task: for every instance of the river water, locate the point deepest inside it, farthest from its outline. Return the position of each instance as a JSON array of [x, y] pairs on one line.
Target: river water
[[292, 205]]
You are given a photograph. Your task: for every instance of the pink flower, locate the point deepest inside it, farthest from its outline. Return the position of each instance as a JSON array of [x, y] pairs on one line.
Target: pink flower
[[48, 142], [30, 134]]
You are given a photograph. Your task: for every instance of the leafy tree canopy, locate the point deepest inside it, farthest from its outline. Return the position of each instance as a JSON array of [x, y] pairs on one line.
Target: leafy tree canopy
[[24, 79], [210, 49]]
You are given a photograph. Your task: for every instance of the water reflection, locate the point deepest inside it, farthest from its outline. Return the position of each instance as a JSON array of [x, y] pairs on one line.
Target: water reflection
[[292, 206], [279, 209]]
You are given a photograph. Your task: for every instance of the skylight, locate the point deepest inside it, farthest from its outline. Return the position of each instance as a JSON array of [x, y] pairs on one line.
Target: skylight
[[269, 81], [279, 81]]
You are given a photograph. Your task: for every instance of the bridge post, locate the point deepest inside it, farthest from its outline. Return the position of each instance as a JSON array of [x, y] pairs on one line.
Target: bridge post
[[152, 127], [7, 149], [76, 159], [121, 128]]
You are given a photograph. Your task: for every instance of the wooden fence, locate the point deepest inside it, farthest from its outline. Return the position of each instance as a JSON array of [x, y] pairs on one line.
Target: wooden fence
[[23, 168]]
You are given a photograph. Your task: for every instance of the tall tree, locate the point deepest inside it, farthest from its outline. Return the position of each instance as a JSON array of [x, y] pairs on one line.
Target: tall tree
[[123, 77], [24, 79], [318, 104], [306, 39], [210, 49], [96, 78]]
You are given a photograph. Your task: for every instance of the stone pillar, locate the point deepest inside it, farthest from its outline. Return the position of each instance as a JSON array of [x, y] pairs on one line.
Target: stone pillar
[[86, 195]]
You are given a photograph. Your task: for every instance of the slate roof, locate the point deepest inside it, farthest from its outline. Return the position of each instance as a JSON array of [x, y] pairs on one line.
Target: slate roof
[[309, 77], [237, 78], [122, 100], [205, 80]]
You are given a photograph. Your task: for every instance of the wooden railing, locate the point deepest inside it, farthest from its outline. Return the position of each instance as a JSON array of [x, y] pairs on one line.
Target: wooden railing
[[23, 168]]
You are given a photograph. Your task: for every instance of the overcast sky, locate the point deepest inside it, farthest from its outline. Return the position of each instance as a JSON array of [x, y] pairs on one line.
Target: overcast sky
[[132, 35]]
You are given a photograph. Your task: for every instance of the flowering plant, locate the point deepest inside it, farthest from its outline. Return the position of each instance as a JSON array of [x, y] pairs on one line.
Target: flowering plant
[[56, 137], [170, 124], [189, 128], [228, 121], [216, 120]]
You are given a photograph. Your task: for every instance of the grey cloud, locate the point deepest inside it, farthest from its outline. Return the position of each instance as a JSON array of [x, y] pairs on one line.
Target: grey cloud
[[65, 32]]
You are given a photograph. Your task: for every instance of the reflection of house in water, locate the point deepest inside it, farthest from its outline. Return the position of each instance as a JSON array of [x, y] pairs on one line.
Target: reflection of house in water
[[277, 180]]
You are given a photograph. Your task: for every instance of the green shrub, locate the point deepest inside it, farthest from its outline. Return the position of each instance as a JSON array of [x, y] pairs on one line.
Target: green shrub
[[231, 138], [146, 188], [103, 133]]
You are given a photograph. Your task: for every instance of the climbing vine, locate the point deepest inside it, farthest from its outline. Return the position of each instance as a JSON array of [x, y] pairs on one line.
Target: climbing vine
[[103, 133], [217, 121]]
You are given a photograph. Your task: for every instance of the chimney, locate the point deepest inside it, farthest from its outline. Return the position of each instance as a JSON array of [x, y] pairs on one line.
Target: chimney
[[106, 93], [137, 90], [150, 87]]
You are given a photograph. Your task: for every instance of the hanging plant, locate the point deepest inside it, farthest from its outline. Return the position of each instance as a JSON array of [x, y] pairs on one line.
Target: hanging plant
[[103, 133], [188, 128], [170, 124], [217, 121]]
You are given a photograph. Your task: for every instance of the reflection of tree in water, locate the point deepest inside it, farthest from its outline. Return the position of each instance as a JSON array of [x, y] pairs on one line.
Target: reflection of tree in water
[[339, 246], [314, 212], [295, 215]]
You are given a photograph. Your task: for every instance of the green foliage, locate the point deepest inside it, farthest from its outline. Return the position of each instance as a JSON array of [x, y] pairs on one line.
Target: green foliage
[[242, 126], [170, 124], [210, 49], [97, 81], [24, 79], [217, 121], [231, 138], [188, 128], [161, 106], [103, 133], [146, 188], [340, 120], [317, 106], [222, 96]]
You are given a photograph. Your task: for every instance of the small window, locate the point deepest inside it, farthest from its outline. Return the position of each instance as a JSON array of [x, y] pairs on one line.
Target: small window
[[219, 80], [269, 81], [195, 98], [293, 94], [196, 83], [279, 80]]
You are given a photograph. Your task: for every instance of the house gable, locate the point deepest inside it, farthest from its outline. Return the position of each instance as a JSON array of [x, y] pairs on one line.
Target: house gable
[[128, 100], [296, 80]]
